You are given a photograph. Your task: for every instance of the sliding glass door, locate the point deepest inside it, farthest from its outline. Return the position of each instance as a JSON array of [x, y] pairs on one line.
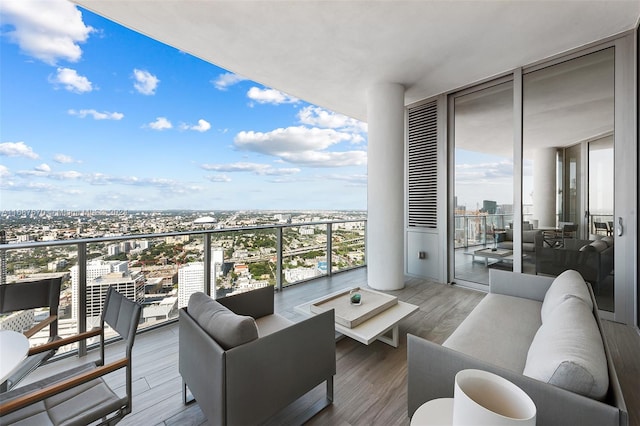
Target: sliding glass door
[[568, 123], [483, 158]]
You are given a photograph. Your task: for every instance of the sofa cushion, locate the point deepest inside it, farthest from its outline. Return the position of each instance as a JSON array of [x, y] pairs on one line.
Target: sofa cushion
[[491, 334], [567, 284], [599, 245], [608, 239], [227, 328], [568, 352]]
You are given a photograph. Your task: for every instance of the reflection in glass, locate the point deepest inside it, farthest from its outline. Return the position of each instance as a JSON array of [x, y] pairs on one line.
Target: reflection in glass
[[483, 135], [568, 112]]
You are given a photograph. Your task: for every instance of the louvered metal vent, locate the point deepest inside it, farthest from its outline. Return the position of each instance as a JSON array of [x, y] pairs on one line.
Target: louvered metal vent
[[423, 165]]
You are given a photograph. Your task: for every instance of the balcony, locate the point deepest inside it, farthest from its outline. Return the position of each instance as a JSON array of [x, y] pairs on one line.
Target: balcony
[[370, 384]]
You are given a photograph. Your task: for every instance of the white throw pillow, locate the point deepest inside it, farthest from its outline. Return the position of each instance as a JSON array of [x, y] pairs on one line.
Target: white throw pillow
[[567, 351], [567, 284]]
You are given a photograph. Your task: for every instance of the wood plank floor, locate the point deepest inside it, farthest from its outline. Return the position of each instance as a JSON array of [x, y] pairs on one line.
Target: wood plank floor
[[370, 384]]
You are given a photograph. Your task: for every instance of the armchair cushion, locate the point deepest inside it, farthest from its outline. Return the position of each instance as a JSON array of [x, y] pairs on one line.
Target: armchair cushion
[[568, 284], [224, 326]]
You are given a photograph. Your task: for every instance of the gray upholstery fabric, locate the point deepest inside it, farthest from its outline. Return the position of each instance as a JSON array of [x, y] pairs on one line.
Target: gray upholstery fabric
[[568, 352], [490, 333], [568, 284], [78, 406], [272, 323], [227, 328]]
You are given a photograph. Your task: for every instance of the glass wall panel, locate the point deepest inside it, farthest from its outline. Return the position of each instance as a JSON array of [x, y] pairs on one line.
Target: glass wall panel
[[568, 120], [483, 137]]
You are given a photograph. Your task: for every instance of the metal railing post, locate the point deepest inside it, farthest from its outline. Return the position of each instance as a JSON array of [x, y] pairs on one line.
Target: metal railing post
[[82, 296], [207, 265], [329, 249], [279, 258]]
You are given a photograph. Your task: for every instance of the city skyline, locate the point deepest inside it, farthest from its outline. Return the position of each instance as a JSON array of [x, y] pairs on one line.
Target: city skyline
[[96, 116]]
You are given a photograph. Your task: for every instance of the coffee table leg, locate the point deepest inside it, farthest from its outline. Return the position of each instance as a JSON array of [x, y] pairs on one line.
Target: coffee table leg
[[393, 339]]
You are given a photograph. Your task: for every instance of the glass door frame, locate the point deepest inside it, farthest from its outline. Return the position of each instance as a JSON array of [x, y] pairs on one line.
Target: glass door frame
[[517, 226]]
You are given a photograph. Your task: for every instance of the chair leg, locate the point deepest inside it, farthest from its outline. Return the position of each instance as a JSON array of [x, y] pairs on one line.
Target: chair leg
[[184, 394], [330, 389]]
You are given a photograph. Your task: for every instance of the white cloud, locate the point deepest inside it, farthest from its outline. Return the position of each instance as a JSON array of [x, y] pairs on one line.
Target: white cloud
[[256, 168], [49, 30], [4, 171], [270, 96], [17, 149], [202, 126], [63, 159], [303, 146], [326, 159], [72, 81], [161, 123], [219, 178], [224, 81], [43, 168], [320, 117], [146, 83], [283, 140], [96, 114]]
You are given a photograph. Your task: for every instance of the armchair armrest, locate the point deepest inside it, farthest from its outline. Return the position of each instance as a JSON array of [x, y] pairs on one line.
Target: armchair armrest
[[519, 285], [22, 401], [67, 340], [39, 326], [289, 363]]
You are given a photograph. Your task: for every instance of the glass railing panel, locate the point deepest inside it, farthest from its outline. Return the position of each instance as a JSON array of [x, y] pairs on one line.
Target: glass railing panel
[[347, 245], [243, 260], [304, 253]]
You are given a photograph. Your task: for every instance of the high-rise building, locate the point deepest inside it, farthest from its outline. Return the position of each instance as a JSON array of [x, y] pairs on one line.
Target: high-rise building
[[191, 280], [95, 269]]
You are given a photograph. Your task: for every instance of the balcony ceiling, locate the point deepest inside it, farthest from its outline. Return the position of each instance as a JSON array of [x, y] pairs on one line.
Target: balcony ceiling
[[330, 52]]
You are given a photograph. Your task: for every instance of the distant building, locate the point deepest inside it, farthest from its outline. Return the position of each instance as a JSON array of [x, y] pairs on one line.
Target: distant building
[[95, 269], [130, 285], [191, 280], [489, 206], [57, 265]]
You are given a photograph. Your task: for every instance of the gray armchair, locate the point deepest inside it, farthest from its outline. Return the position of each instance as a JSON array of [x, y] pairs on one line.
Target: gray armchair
[[243, 363]]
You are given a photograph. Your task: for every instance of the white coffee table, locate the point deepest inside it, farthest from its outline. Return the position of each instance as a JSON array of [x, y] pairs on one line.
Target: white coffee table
[[14, 347], [383, 326]]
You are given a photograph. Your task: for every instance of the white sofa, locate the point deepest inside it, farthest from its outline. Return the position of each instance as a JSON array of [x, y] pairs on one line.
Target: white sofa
[[541, 333]]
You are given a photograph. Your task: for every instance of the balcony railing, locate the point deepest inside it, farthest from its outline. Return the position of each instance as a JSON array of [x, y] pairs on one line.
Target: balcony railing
[[476, 229], [161, 270]]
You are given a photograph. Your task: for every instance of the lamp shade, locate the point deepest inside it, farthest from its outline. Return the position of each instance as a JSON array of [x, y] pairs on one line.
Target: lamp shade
[[483, 398]]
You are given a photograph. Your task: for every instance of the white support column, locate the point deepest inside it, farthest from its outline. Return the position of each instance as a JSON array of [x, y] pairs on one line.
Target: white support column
[[385, 192], [544, 186]]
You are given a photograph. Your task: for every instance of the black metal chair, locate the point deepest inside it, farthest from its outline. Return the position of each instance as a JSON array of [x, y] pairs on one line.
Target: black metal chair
[[32, 295], [601, 227], [80, 396]]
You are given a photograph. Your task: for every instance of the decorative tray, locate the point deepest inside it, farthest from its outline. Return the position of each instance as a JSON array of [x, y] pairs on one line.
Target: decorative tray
[[349, 315]]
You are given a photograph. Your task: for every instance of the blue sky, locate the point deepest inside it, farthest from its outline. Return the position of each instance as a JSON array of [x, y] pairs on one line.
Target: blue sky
[[95, 116]]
